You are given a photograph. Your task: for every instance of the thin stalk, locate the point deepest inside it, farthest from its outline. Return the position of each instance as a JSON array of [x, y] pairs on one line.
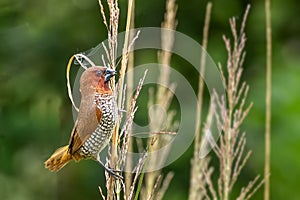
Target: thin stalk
[[130, 80], [115, 136], [202, 71], [193, 191], [228, 163], [162, 97], [268, 100], [138, 190]]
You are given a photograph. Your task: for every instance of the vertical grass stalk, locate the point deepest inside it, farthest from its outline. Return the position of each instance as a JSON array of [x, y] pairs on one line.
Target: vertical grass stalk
[[196, 161], [268, 99]]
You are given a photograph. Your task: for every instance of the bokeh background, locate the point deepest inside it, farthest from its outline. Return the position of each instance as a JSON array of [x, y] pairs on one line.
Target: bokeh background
[[37, 39]]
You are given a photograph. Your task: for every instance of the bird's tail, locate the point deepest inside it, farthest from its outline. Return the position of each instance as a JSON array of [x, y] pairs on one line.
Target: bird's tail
[[58, 159]]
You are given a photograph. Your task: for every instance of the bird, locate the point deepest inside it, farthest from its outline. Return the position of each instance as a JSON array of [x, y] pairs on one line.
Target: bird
[[97, 116]]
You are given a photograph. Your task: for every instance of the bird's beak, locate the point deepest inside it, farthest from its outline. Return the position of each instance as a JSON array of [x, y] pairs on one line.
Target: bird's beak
[[108, 74]]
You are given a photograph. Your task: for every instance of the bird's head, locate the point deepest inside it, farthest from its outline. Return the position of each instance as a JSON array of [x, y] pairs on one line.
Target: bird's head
[[96, 79]]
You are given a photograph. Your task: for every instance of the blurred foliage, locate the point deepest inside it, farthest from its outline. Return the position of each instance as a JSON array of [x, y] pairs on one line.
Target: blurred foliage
[[37, 39]]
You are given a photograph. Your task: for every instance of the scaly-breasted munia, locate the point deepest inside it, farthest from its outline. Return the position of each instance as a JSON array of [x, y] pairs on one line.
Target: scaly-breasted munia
[[96, 120]]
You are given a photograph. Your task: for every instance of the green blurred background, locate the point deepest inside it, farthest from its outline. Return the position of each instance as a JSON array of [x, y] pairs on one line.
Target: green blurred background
[[37, 39]]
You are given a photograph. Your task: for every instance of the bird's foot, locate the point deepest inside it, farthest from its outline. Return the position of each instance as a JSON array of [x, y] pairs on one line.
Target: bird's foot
[[113, 172]]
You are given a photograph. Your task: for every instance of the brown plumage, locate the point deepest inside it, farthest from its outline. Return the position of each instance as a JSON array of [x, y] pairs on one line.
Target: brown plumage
[[96, 119]]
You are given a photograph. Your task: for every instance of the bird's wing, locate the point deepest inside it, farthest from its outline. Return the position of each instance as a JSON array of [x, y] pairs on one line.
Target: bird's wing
[[89, 117]]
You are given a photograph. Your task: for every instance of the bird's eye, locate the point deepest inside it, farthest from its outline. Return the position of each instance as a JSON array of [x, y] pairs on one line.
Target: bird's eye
[[98, 73]]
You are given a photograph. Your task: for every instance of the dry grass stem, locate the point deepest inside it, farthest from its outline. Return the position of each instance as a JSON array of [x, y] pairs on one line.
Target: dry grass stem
[[111, 51], [103, 14], [107, 54], [126, 129], [129, 83], [137, 171], [157, 182], [101, 193], [68, 82], [249, 191], [229, 114], [116, 161], [163, 98], [79, 58], [165, 185], [196, 186], [268, 99], [165, 133], [206, 187]]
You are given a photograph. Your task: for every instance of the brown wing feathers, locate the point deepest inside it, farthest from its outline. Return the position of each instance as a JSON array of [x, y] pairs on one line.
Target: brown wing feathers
[[84, 127]]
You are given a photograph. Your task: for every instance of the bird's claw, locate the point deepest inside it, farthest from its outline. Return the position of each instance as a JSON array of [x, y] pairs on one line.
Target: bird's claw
[[113, 172]]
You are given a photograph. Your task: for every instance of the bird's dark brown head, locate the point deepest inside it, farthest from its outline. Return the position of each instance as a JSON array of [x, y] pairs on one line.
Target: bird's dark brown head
[[96, 79]]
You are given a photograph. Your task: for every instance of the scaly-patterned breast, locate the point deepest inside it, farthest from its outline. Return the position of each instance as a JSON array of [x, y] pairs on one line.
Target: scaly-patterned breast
[[101, 136]]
